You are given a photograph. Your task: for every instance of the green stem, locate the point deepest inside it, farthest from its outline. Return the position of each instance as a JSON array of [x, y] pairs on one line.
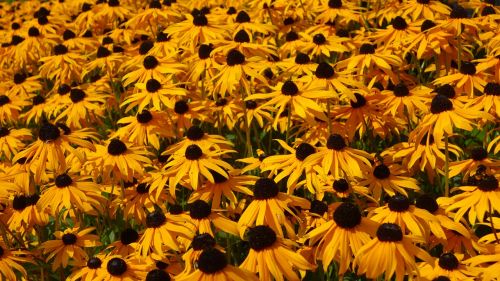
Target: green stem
[[328, 108], [490, 212], [288, 123]]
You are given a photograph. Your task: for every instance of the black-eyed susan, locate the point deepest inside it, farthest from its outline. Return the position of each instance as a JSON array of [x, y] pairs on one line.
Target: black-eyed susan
[[196, 160], [11, 140], [321, 45], [400, 210], [489, 101], [154, 94], [69, 244], [390, 253], [89, 270], [63, 66], [204, 219], [24, 85], [478, 199], [162, 232], [51, 147], [121, 268], [425, 9], [339, 159], [200, 242], [337, 11], [401, 99], [212, 265], [450, 265], [25, 215], [478, 156], [10, 107], [127, 243], [153, 68], [294, 96], [292, 167], [146, 128], [40, 107], [443, 117], [430, 41], [223, 187], [271, 256], [137, 202], [269, 207], [83, 109], [235, 73], [390, 179], [341, 238], [67, 192], [466, 79], [118, 160], [11, 262]]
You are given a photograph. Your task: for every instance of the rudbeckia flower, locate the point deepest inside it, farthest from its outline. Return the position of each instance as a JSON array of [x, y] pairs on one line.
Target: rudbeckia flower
[[199, 243], [443, 117], [153, 95], [399, 210], [489, 101], [10, 262], [320, 45], [25, 215], [120, 268], [459, 21], [491, 262], [10, 107], [203, 218], [449, 265], [337, 11], [127, 243], [271, 256], [340, 239], [389, 179], [69, 192], [53, 144], [112, 11], [390, 252], [223, 186], [24, 85], [478, 200], [118, 160], [68, 245], [292, 167], [88, 271], [194, 161], [83, 109], [425, 9], [11, 140], [294, 96], [339, 159], [154, 68], [212, 265], [137, 202], [478, 156], [269, 206], [467, 79], [63, 66], [401, 99], [429, 41], [153, 14], [145, 128], [162, 232]]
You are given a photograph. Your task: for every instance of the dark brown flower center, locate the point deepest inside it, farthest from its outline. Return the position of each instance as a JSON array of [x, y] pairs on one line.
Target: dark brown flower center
[[426, 25], [335, 142], [399, 203], [116, 147], [116, 267], [153, 85], [150, 62], [200, 20], [265, 188], [103, 52], [381, 172], [242, 37], [458, 12], [4, 100], [440, 104], [129, 236], [234, 57], [366, 49], [204, 51], [38, 100], [69, 239], [488, 183], [302, 58], [399, 23], [335, 4], [4, 132], [291, 36], [19, 78], [250, 104], [289, 88], [347, 215], [389, 232], [203, 241], [304, 150], [77, 95], [360, 101], [157, 275], [318, 207], [155, 219], [60, 50], [94, 263], [468, 68], [319, 39], [63, 180], [49, 132], [68, 34], [195, 133], [446, 90], [63, 89], [324, 71], [401, 90], [492, 88], [478, 154], [448, 261], [428, 203], [261, 237], [211, 261], [181, 107], [144, 117], [242, 17], [193, 152], [199, 209], [340, 185]]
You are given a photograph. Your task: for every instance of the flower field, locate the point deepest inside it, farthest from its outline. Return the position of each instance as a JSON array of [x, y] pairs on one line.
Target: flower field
[[249, 140]]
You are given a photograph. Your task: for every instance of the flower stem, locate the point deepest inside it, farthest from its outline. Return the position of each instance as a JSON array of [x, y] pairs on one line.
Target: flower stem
[[288, 123], [328, 108], [446, 167]]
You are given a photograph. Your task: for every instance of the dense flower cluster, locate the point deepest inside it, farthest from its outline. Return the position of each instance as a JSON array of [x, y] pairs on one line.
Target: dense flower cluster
[[249, 140]]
